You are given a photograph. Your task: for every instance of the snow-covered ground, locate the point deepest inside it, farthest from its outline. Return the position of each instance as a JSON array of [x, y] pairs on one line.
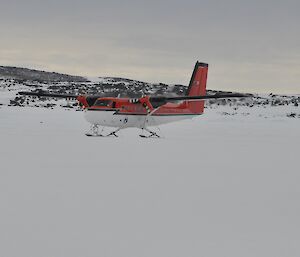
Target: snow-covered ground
[[218, 185]]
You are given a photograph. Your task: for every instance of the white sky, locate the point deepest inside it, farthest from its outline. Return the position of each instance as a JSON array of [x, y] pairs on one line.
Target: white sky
[[251, 46]]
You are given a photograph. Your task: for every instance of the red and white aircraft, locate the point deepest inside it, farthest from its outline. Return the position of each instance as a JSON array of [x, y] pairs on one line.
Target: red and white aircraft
[[144, 112]]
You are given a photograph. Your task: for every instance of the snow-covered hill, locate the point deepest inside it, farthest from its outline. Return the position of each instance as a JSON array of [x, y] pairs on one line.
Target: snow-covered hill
[[20, 79]]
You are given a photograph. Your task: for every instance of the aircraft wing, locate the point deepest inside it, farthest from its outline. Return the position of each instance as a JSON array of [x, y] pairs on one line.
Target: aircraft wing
[[45, 94], [161, 100]]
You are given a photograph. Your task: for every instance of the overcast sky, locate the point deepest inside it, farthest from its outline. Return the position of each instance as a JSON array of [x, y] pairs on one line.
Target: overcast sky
[[251, 46]]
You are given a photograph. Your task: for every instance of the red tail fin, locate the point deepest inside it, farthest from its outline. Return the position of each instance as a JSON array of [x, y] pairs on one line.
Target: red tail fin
[[197, 87]]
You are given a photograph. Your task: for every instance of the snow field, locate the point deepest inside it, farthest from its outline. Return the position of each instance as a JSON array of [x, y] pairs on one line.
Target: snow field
[[218, 185]]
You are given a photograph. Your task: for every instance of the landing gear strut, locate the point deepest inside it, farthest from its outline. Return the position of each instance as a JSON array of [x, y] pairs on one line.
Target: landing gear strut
[[94, 131], [151, 134], [114, 133]]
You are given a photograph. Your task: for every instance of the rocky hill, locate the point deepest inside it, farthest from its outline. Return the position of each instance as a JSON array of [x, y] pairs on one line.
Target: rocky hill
[[24, 74]]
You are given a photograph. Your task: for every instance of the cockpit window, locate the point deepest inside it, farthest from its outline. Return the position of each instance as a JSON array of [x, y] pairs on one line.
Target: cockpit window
[[91, 100], [105, 103]]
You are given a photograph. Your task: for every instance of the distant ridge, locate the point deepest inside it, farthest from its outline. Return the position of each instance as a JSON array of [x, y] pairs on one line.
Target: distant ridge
[[37, 75]]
